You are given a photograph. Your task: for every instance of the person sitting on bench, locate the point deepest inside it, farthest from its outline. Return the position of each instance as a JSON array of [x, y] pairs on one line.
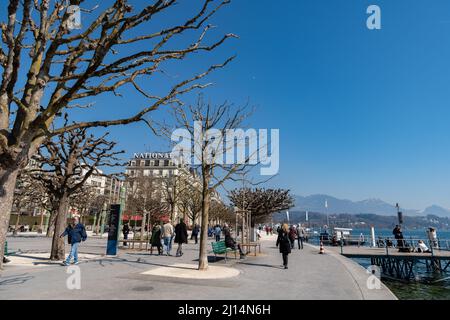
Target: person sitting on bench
[[230, 243]]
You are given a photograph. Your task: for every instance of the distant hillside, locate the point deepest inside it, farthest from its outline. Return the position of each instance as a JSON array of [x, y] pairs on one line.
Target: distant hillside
[[317, 220], [316, 203]]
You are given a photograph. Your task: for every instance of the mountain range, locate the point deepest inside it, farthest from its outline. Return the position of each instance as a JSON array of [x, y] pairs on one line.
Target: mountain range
[[316, 203]]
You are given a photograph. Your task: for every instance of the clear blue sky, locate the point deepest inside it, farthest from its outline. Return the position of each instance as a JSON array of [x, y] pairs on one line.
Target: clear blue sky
[[362, 114]]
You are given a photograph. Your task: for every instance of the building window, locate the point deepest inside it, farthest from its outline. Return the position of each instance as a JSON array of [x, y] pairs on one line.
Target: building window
[[156, 163], [166, 163], [147, 163]]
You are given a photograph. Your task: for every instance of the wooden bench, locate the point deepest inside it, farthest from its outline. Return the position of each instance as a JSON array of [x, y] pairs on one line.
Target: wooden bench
[[250, 245], [219, 247]]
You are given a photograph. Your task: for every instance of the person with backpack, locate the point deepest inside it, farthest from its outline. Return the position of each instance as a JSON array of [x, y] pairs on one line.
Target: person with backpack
[[292, 235], [76, 233], [284, 243]]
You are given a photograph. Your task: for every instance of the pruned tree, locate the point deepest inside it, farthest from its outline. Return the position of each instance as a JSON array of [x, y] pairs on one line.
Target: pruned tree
[[203, 130], [145, 198], [261, 202], [191, 202], [49, 68], [66, 162], [29, 194], [174, 187], [220, 213]]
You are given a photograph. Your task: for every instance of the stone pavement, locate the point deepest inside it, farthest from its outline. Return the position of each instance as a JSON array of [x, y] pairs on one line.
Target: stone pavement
[[139, 275]]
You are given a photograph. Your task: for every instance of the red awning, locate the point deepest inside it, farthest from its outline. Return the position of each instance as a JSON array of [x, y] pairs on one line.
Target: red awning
[[134, 218]]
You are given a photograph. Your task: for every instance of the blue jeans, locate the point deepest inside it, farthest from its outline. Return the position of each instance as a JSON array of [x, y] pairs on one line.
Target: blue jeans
[[73, 253], [168, 244]]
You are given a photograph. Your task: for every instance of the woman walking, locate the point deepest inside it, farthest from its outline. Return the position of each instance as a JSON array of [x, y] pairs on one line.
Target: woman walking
[[181, 236], [155, 240], [285, 244]]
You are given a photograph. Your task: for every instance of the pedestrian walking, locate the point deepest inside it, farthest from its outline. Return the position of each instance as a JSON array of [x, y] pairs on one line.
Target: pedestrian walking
[[217, 231], [75, 232], [167, 235], [292, 235], [195, 232], [181, 236], [301, 234], [284, 243], [125, 231], [155, 240]]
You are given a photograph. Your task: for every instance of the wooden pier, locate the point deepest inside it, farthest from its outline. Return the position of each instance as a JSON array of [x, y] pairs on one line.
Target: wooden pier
[[398, 264]]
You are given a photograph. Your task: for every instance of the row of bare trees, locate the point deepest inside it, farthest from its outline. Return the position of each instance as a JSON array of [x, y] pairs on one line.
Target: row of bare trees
[[49, 69]]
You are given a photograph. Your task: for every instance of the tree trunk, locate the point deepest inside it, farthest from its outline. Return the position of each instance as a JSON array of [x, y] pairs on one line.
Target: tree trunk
[[17, 224], [51, 223], [58, 249], [8, 179], [203, 255], [144, 219]]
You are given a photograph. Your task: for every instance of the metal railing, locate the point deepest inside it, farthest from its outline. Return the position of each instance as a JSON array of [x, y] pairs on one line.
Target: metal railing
[[406, 244]]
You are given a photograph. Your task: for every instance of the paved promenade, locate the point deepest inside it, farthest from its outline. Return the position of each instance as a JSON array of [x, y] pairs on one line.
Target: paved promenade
[[139, 275]]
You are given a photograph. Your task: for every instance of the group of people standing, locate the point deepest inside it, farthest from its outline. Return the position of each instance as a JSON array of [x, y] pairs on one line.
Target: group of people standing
[[287, 235]]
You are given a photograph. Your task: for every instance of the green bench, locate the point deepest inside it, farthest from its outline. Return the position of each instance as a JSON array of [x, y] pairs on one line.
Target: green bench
[[6, 252], [219, 247]]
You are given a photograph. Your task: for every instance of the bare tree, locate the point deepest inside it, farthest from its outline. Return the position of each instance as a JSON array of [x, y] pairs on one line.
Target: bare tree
[[67, 161], [220, 213], [145, 198], [67, 67], [174, 188], [261, 202], [29, 194], [191, 202], [209, 125]]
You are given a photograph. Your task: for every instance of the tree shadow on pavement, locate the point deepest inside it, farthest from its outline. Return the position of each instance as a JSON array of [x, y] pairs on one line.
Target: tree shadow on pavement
[[16, 279], [262, 265]]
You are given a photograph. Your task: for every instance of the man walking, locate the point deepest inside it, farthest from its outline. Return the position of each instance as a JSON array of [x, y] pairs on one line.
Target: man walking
[[301, 234], [181, 236], [75, 232], [195, 232], [167, 234], [217, 231], [125, 231]]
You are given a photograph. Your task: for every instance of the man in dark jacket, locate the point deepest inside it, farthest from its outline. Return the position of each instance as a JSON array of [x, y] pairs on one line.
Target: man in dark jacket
[[181, 236], [195, 232], [125, 231], [230, 243], [76, 233]]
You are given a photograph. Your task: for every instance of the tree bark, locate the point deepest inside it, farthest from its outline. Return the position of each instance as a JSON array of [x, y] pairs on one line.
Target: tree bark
[[8, 179], [58, 248], [203, 255], [51, 223], [17, 224]]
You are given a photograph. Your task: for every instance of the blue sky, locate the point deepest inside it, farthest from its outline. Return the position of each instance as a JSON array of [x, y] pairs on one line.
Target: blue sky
[[362, 113]]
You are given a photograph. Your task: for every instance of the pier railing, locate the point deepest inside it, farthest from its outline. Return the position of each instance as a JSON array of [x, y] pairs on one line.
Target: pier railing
[[388, 243], [407, 244]]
